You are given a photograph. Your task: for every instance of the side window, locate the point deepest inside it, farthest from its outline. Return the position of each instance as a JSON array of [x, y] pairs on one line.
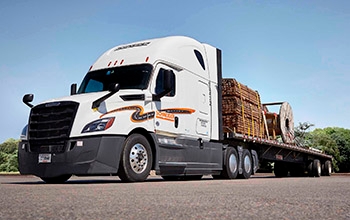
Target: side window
[[159, 83], [199, 58]]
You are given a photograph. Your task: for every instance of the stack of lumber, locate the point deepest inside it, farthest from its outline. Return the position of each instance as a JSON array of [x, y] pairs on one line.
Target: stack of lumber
[[241, 109]]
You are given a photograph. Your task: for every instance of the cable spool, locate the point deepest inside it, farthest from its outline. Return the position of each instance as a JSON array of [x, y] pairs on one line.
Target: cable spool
[[286, 123], [282, 124]]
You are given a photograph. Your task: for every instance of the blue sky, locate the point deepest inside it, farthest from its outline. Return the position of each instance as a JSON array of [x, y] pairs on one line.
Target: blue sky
[[295, 51]]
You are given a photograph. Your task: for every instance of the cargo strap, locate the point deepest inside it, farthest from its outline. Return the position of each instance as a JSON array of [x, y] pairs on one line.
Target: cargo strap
[[260, 124], [242, 103]]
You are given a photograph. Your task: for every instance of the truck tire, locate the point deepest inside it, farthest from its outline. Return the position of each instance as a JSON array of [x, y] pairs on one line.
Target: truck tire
[[56, 179], [280, 169], [230, 168], [310, 169], [247, 166], [327, 170], [136, 159], [316, 168]]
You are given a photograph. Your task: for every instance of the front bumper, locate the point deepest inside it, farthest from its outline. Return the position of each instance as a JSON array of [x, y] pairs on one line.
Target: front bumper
[[83, 156]]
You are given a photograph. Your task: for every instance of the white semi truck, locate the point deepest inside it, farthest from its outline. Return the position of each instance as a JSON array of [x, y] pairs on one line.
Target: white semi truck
[[151, 105]]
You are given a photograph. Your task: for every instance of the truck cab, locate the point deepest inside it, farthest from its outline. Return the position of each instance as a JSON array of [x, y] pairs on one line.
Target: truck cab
[[153, 104]]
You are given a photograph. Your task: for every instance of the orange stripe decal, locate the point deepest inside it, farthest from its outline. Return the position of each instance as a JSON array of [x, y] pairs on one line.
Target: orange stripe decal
[[139, 115]]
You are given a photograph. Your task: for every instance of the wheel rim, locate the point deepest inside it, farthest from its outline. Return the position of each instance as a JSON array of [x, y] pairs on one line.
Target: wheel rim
[[319, 168], [233, 163], [138, 158], [247, 164], [329, 169]]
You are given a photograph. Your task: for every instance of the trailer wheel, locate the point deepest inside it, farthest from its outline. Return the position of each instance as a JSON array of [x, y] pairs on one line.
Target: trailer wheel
[[327, 168], [310, 169], [280, 169], [56, 179], [136, 160], [246, 164], [316, 168]]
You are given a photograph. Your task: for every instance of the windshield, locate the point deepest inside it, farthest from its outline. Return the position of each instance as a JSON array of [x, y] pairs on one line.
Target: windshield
[[128, 77]]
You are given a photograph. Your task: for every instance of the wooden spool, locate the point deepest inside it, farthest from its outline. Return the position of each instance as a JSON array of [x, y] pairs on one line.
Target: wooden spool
[[281, 124], [286, 123]]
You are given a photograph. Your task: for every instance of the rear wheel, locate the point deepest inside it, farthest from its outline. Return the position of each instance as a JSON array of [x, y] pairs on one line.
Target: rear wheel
[[246, 164], [230, 168], [316, 168], [56, 179], [327, 168], [136, 161]]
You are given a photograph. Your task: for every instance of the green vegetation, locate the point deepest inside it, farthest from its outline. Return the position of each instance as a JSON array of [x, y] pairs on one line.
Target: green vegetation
[[333, 141], [8, 156]]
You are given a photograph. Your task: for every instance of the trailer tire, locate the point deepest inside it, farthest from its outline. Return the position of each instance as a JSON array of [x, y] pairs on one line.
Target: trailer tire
[[316, 168], [56, 179], [136, 159], [247, 165], [310, 169], [327, 168]]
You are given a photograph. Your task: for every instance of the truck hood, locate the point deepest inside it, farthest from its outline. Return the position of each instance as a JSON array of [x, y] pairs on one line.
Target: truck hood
[[85, 114]]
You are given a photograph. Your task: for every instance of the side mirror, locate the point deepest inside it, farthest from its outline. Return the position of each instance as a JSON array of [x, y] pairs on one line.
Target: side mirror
[[73, 89], [167, 85], [27, 98], [167, 80], [113, 88]]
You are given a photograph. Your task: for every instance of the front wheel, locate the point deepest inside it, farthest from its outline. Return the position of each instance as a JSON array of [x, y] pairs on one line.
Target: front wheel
[[136, 160]]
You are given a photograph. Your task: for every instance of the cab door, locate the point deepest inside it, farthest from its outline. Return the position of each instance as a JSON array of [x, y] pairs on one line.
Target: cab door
[[182, 120]]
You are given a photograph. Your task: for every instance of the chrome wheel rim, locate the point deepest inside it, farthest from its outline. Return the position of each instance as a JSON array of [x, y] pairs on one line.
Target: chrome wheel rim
[[233, 163], [138, 158], [247, 164], [329, 169], [319, 168]]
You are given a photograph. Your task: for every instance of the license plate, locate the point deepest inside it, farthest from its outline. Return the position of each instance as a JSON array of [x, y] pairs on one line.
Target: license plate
[[44, 158]]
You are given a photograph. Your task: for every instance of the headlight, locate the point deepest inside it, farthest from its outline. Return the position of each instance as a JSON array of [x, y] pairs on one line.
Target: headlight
[[24, 133], [98, 125]]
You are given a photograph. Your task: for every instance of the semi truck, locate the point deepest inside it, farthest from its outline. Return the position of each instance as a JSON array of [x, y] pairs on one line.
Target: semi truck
[[161, 105]]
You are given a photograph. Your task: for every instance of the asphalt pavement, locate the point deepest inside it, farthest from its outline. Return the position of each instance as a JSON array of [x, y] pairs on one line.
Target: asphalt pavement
[[261, 197]]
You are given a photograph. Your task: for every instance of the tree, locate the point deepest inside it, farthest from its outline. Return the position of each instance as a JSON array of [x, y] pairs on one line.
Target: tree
[[321, 139], [332, 140], [341, 137], [8, 156], [300, 133]]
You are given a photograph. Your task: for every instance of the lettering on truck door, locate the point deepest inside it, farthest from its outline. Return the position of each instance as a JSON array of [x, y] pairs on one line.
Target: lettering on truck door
[[203, 117]]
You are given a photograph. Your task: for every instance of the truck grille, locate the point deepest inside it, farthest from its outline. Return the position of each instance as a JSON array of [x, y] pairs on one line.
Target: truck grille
[[50, 125]]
